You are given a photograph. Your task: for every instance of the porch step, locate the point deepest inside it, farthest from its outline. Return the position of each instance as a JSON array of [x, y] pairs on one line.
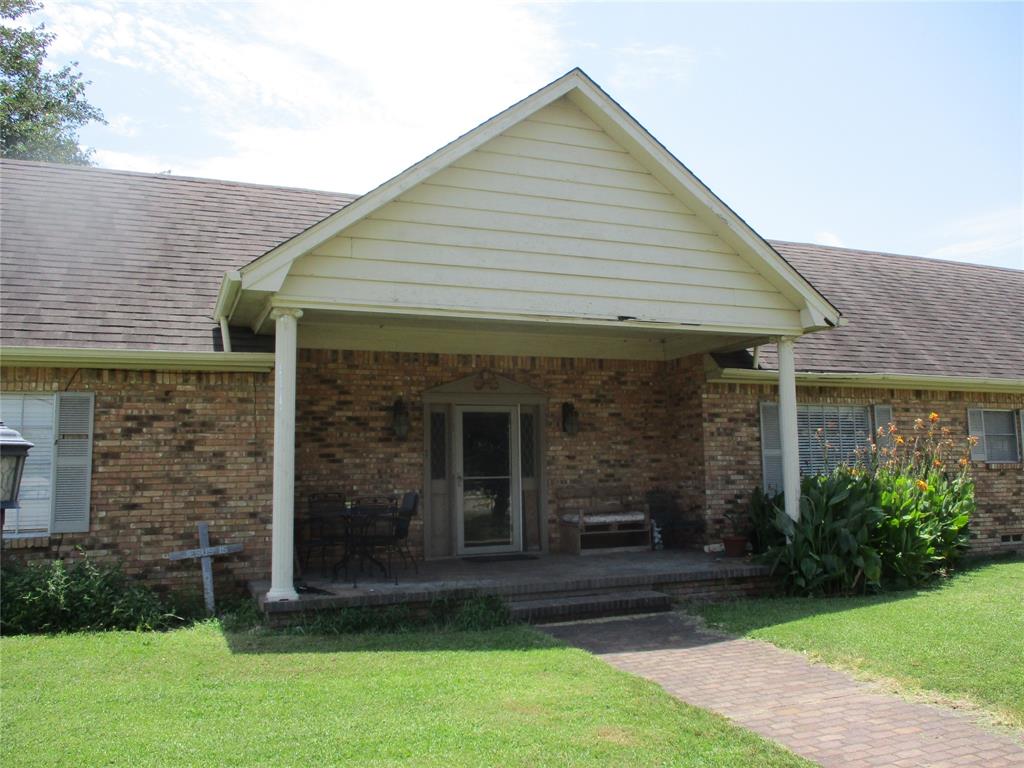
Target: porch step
[[541, 610]]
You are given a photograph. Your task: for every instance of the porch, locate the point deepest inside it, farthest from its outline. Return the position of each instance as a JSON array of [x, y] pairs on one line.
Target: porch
[[679, 574]]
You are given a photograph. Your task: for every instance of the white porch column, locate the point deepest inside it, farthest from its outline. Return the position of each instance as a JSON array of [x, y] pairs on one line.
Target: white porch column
[[788, 431], [282, 586]]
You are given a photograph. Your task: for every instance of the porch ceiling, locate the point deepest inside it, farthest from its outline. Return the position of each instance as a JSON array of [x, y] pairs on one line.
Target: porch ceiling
[[626, 339]]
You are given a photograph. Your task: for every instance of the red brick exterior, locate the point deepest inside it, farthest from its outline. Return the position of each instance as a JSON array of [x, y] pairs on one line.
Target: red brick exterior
[[174, 448], [732, 439], [170, 449], [628, 435]]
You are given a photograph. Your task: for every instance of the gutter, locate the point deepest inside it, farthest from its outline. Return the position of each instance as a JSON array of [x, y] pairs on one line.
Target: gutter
[[872, 380], [227, 296], [135, 359]]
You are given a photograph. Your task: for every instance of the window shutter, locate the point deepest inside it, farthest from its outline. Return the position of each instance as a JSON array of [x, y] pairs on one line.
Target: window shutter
[[883, 417], [1020, 435], [771, 448], [72, 466], [976, 428]]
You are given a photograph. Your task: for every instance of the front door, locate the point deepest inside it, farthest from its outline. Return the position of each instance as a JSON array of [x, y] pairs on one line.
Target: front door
[[488, 485]]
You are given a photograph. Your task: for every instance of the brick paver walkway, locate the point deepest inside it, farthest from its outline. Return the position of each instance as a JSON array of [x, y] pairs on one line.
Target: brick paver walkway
[[817, 712]]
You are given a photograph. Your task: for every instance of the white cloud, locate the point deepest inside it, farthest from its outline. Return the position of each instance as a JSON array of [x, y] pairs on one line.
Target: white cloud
[[123, 125], [324, 94], [828, 238], [996, 237], [640, 66], [127, 161]]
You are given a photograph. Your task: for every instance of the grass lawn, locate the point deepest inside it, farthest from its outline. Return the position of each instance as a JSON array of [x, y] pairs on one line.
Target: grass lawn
[[963, 639], [199, 696]]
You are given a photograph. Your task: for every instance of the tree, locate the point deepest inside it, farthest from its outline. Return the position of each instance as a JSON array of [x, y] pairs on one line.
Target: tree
[[40, 111]]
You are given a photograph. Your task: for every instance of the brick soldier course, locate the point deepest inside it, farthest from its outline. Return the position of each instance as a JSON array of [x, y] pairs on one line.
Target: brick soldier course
[[817, 712]]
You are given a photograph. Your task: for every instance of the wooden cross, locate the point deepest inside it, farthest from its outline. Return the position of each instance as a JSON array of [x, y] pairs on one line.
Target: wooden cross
[[206, 554]]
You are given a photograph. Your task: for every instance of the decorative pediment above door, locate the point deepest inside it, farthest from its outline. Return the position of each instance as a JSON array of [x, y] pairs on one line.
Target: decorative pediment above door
[[485, 382]]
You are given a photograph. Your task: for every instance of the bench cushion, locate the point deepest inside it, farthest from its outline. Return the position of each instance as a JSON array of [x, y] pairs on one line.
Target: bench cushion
[[603, 518]]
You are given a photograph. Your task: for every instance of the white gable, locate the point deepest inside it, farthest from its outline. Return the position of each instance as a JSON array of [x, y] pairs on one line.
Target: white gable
[[560, 209], [550, 218]]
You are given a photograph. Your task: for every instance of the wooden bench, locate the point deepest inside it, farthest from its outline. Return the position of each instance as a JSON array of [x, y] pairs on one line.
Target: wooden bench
[[601, 518]]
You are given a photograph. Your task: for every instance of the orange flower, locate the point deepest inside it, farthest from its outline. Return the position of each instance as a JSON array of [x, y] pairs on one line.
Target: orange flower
[[933, 417], [922, 486], [892, 427], [963, 461], [937, 463]]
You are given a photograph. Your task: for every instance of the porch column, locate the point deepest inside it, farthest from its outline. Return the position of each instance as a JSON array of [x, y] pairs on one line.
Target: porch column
[[788, 431], [282, 586]]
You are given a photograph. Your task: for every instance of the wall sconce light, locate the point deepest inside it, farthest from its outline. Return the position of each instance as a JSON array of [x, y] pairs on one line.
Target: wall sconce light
[[400, 419], [570, 419], [13, 453]]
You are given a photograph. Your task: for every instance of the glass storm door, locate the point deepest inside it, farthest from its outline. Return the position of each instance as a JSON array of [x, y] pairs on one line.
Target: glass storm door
[[487, 479]]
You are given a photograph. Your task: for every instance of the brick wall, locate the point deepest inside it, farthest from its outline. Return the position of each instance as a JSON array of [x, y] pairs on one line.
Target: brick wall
[[170, 449], [732, 439], [628, 416], [175, 448]]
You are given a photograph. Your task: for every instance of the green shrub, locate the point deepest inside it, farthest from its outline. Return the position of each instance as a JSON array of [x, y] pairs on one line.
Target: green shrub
[[829, 550], [80, 596], [897, 517], [925, 525]]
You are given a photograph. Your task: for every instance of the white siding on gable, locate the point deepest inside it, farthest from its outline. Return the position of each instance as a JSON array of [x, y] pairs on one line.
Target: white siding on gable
[[551, 218]]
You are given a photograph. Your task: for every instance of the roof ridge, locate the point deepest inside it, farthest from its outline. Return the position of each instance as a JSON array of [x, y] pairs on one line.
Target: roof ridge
[[887, 254], [170, 176]]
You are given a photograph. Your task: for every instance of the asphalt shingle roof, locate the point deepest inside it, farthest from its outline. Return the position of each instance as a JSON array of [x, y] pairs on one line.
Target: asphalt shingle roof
[[99, 258], [910, 315]]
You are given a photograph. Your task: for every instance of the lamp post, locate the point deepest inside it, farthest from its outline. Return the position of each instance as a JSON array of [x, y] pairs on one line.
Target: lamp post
[[13, 452]]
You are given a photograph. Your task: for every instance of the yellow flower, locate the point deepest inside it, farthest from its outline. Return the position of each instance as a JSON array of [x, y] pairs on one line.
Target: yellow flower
[[973, 440], [918, 423], [933, 417], [963, 461], [922, 486], [899, 439]]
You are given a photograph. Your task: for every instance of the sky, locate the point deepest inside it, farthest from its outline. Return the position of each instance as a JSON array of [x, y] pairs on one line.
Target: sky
[[882, 126]]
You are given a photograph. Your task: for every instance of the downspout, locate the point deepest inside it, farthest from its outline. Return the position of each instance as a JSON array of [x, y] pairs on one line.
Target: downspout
[[225, 334], [757, 357]]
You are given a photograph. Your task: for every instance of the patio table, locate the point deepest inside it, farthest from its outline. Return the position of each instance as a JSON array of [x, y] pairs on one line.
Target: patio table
[[366, 524]]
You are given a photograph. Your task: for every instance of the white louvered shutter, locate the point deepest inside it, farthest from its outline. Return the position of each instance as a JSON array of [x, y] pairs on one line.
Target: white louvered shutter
[[883, 417], [72, 467], [771, 448], [32, 415], [976, 428]]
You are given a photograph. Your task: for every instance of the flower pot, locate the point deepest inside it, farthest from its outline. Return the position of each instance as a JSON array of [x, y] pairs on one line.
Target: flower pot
[[735, 546]]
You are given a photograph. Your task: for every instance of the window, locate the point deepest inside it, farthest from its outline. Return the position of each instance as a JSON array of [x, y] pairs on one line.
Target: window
[[527, 443], [438, 445], [829, 435], [55, 486], [998, 435]]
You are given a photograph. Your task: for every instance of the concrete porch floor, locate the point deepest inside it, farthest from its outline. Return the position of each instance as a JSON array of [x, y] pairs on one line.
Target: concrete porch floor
[[546, 573]]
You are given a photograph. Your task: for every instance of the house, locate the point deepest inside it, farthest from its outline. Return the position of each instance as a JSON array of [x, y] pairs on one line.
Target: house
[[553, 289]]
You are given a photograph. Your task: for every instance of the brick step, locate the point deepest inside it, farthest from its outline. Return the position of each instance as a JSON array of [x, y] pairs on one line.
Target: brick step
[[589, 605]]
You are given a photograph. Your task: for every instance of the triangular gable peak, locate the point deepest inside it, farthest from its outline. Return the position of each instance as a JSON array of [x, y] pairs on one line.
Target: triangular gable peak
[[562, 208]]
